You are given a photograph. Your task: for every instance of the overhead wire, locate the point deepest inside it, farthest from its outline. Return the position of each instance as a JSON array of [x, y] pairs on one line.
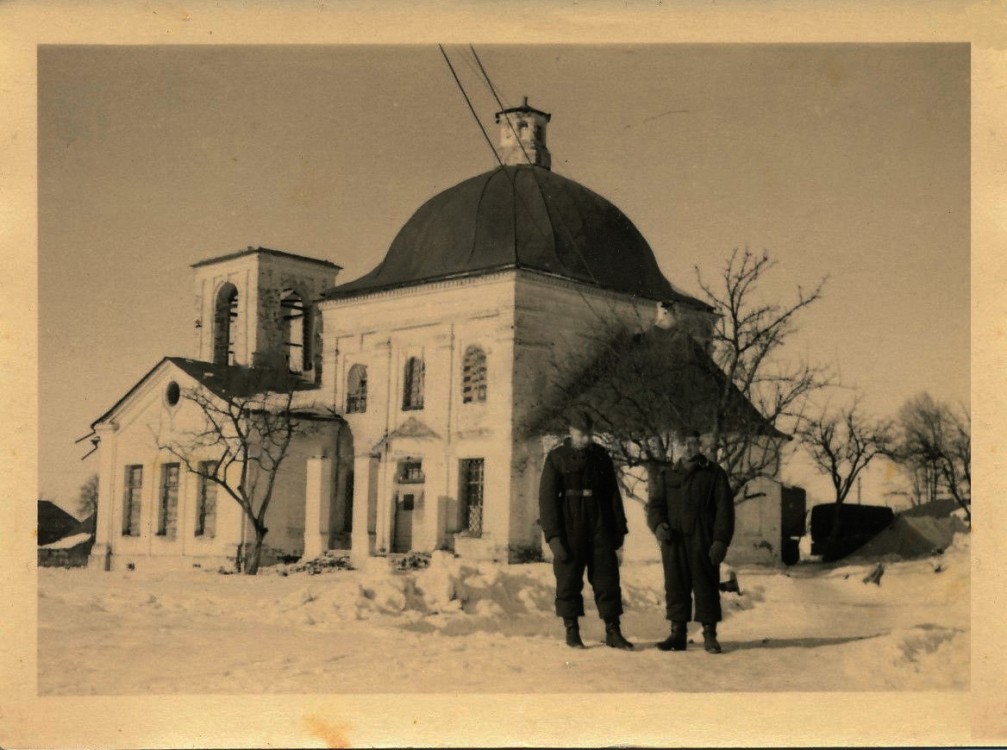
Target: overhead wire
[[562, 221], [510, 177]]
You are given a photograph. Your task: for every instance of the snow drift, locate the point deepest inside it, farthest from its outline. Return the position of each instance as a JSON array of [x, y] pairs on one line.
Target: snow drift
[[462, 626]]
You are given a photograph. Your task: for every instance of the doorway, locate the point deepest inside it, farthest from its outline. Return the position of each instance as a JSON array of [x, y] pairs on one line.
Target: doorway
[[409, 480]]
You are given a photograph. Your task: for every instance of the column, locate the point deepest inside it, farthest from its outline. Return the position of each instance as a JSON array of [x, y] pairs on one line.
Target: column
[[384, 497], [317, 505], [364, 475], [104, 529]]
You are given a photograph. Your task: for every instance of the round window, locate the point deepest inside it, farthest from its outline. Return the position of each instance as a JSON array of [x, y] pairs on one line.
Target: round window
[[173, 393]]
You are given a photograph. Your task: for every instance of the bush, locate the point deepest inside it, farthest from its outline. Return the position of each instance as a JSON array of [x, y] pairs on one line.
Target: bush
[[316, 565], [524, 553], [412, 561]]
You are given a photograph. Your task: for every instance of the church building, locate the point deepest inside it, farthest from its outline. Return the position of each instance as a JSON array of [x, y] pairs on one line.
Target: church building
[[431, 368]]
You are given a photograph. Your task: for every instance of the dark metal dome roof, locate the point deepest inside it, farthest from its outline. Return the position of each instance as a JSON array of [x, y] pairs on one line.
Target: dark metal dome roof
[[523, 217]]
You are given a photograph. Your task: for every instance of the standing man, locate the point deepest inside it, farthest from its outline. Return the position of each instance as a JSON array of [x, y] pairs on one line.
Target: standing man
[[582, 517], [691, 512]]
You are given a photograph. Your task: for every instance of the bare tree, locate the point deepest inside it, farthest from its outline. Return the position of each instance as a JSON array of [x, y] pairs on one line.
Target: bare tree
[[87, 499], [249, 425], [843, 443], [935, 442], [748, 338], [643, 389], [646, 385]]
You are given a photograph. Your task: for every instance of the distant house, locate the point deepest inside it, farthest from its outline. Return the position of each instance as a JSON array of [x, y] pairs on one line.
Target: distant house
[[53, 522], [63, 541]]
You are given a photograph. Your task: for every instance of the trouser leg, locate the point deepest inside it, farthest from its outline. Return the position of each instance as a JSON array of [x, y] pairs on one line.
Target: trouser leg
[[677, 581], [705, 582], [569, 586], [603, 574]]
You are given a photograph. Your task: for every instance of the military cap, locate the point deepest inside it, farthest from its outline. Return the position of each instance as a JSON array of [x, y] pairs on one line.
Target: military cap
[[579, 419]]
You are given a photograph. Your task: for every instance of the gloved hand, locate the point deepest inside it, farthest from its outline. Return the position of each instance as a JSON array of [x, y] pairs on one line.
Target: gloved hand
[[663, 532], [618, 539], [718, 551], [558, 549]]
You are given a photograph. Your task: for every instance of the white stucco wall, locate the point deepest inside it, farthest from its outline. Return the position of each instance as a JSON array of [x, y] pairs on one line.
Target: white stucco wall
[[533, 328], [131, 438], [437, 323], [138, 422]]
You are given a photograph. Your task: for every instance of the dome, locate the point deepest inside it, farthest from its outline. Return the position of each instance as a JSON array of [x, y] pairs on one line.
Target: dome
[[522, 217]]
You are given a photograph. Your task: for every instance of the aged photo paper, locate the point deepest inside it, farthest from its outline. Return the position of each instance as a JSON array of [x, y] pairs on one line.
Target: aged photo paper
[[37, 38]]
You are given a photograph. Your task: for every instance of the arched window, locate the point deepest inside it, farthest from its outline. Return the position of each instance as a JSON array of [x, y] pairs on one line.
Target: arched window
[[225, 312], [356, 390], [412, 385], [474, 375], [296, 327]]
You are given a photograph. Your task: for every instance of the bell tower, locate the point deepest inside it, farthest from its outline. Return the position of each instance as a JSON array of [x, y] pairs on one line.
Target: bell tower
[[522, 136], [258, 307]]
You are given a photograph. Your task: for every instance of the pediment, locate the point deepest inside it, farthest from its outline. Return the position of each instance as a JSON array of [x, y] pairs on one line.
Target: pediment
[[415, 429]]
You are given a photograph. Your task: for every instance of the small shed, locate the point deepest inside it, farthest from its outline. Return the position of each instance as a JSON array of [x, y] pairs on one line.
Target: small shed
[[768, 524]]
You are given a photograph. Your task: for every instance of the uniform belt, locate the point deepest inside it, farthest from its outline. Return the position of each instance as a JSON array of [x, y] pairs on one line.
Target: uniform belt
[[579, 493]]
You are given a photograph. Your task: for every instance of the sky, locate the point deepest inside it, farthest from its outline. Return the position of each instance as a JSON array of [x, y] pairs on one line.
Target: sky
[[846, 161]]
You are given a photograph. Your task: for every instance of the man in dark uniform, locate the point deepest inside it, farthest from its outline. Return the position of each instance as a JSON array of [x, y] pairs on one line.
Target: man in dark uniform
[[691, 512], [584, 522]]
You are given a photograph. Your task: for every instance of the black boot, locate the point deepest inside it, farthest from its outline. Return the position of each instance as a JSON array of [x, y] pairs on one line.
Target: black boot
[[677, 640], [710, 642], [573, 633], [614, 637]]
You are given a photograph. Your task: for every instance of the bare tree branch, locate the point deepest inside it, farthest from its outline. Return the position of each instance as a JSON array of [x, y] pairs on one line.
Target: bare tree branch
[[248, 424]]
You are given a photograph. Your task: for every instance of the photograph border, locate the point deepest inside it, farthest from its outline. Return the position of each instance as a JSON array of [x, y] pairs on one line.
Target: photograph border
[[978, 716]]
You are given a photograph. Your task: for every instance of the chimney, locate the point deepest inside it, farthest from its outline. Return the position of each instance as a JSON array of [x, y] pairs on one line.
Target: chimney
[[522, 136]]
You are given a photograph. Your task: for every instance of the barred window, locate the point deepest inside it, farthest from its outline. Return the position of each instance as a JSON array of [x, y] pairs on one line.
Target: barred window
[[471, 475], [167, 517], [412, 390], [474, 375], [206, 502], [356, 389], [225, 314], [131, 501]]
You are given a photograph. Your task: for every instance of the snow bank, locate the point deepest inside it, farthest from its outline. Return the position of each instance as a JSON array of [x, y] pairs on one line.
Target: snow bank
[[461, 626], [67, 542], [912, 536]]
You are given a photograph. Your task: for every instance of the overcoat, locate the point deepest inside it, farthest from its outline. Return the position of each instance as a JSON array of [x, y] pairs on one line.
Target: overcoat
[[570, 474], [694, 498]]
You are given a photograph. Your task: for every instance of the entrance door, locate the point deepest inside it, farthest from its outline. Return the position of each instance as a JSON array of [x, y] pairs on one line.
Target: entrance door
[[402, 540], [409, 480]]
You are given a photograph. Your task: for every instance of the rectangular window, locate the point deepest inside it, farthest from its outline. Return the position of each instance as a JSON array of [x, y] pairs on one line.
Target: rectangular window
[[474, 375], [356, 390], [133, 487], [410, 472], [412, 394], [167, 518], [471, 474], [206, 503]]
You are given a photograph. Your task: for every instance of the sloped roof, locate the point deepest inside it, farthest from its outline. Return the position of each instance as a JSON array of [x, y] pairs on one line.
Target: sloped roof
[[223, 380], [239, 380], [53, 522], [266, 251], [86, 526], [520, 217], [619, 385]]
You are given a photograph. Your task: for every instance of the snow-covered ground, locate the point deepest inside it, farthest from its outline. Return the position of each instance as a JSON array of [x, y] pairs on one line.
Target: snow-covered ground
[[458, 627]]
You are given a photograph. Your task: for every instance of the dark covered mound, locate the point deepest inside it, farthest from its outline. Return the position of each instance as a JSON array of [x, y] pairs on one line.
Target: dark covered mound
[[838, 530], [913, 536]]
